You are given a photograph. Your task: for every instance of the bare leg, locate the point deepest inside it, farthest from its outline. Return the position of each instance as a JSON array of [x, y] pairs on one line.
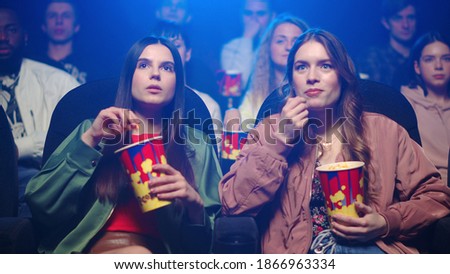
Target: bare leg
[[133, 249]]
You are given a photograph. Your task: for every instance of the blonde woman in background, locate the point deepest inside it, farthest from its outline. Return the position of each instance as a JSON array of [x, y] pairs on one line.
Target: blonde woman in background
[[270, 63]]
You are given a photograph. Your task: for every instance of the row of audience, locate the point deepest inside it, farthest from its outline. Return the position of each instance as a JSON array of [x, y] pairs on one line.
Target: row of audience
[[80, 206]]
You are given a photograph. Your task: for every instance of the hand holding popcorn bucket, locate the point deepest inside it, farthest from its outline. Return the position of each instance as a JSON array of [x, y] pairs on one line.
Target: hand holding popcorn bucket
[[138, 160], [343, 185]]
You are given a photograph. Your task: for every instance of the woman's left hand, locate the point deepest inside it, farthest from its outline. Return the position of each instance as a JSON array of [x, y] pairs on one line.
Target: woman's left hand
[[369, 226], [172, 186]]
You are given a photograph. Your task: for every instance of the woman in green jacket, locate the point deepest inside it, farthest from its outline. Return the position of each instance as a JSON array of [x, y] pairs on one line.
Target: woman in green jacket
[[82, 201]]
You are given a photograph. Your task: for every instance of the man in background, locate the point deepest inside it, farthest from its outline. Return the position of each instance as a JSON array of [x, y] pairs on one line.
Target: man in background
[[238, 54], [177, 11], [61, 25], [29, 91], [382, 63]]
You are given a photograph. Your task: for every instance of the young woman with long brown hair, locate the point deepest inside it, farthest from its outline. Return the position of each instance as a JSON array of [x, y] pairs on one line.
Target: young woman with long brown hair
[[274, 178], [82, 201]]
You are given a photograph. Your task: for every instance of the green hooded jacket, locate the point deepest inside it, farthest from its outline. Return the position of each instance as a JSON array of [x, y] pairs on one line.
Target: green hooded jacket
[[68, 215]]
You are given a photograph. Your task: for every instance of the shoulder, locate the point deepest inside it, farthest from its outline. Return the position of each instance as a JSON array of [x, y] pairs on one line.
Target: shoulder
[[238, 42], [373, 50], [46, 72], [373, 54], [196, 138], [206, 98], [413, 94], [377, 118], [379, 125]]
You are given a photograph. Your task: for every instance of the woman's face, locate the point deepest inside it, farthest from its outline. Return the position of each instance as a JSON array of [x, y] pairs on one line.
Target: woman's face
[[154, 78], [283, 39], [434, 65], [315, 77]]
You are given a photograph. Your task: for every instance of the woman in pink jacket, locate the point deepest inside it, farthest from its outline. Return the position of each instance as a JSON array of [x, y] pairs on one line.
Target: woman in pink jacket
[[322, 122]]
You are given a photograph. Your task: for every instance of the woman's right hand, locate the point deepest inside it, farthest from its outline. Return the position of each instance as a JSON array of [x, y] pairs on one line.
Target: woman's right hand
[[294, 116], [110, 123]]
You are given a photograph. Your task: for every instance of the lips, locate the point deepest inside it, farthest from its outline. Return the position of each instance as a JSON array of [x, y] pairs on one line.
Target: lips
[[5, 50], [313, 92], [58, 31], [438, 76], [154, 88]]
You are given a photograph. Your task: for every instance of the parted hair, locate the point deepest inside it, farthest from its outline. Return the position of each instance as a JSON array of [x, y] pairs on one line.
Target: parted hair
[[263, 80], [111, 177], [416, 54], [349, 105]]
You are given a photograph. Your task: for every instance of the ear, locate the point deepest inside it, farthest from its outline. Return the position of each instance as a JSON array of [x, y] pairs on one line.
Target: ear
[[25, 39], [274, 14], [158, 14], [188, 19], [188, 55], [385, 23], [417, 68], [77, 28], [44, 28]]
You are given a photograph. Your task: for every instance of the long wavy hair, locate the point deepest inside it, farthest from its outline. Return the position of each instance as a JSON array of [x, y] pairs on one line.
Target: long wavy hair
[[415, 55], [263, 80], [349, 105], [110, 177]]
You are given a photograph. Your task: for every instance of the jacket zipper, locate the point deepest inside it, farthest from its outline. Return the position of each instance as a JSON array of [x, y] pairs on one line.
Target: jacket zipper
[[32, 118], [310, 195]]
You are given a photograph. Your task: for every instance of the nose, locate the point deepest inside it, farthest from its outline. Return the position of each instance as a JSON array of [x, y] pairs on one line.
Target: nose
[[155, 74], [59, 19], [405, 23], [289, 45], [3, 36], [312, 76], [438, 64]]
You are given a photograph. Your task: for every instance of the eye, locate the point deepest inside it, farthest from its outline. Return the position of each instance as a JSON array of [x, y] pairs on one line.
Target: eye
[[300, 67], [12, 29], [427, 59], [261, 13], [51, 15], [67, 16], [142, 65], [327, 66], [248, 13], [396, 18], [446, 58], [279, 41], [168, 67], [411, 17]]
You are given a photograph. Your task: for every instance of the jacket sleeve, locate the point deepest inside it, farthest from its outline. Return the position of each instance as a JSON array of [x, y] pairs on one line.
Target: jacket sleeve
[[256, 176], [53, 194], [423, 197]]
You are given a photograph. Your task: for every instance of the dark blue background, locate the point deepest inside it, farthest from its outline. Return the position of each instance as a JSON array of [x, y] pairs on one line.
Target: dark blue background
[[109, 28]]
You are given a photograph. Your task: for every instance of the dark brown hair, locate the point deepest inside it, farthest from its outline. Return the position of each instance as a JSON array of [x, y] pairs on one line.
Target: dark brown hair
[[349, 105], [111, 178]]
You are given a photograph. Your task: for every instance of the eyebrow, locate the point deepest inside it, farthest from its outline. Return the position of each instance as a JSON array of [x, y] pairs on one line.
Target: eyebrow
[[150, 60], [320, 61], [432, 55], [285, 36]]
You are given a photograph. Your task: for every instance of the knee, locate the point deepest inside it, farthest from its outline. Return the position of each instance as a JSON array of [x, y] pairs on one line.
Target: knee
[[132, 249]]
